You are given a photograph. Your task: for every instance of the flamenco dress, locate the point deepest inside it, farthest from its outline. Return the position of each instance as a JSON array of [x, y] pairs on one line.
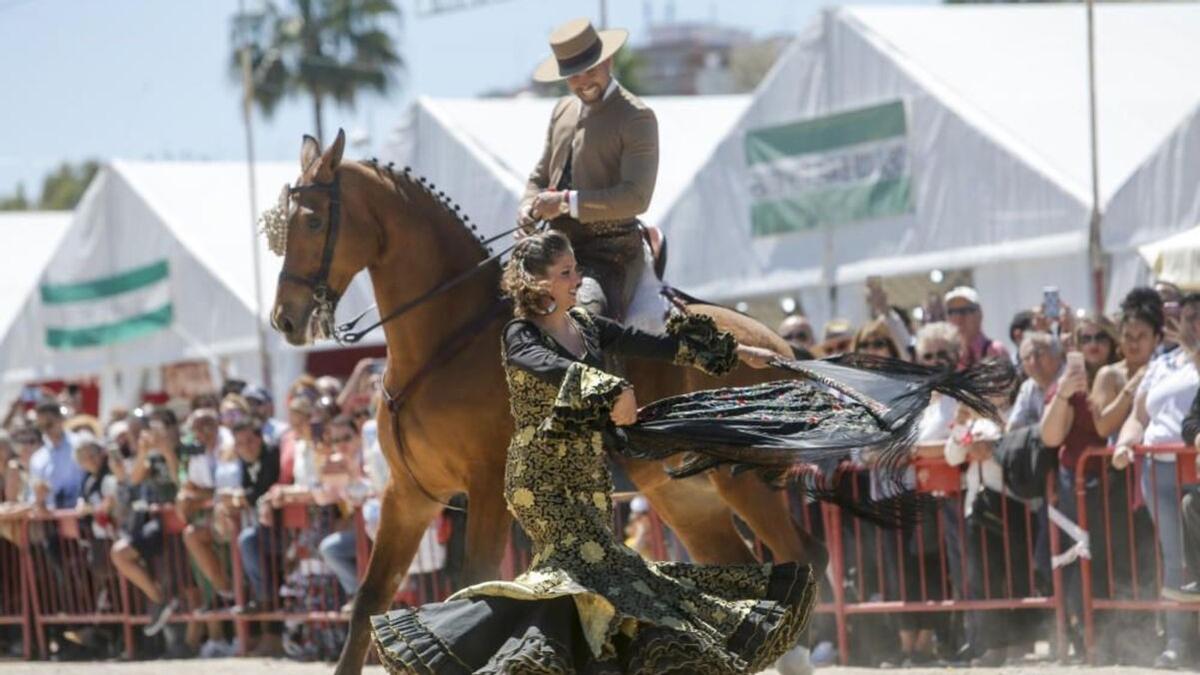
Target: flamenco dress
[[589, 604]]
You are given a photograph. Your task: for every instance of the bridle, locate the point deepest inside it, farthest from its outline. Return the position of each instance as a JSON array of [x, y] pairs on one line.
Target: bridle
[[323, 294]]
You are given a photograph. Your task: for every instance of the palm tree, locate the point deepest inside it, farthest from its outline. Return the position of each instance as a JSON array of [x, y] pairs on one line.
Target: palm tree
[[327, 49]]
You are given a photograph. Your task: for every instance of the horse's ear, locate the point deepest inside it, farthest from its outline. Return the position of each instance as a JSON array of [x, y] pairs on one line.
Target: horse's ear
[[310, 150], [333, 155]]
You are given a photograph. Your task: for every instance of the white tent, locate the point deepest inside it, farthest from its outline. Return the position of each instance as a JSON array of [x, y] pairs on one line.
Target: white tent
[[30, 238], [1175, 259], [155, 268], [893, 140], [480, 151]]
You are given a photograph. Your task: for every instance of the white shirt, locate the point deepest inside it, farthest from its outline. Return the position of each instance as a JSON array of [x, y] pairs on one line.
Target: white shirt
[[987, 473], [1169, 385]]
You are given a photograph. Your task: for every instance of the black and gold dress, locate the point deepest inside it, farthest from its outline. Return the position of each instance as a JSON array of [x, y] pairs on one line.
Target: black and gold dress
[[589, 604]]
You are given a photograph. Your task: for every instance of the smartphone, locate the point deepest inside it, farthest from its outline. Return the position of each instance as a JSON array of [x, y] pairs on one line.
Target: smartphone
[[1075, 362], [1051, 304]]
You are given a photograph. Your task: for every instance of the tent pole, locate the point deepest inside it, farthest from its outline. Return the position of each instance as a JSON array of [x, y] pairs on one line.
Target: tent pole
[[247, 119], [1095, 254]]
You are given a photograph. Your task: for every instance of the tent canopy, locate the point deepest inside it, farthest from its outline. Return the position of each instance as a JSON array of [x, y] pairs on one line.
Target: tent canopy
[[155, 267], [888, 140]]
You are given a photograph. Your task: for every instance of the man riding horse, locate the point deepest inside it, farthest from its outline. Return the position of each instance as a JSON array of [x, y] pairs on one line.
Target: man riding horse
[[598, 168]]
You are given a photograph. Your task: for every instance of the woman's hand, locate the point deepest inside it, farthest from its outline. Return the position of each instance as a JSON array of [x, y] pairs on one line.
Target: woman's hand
[[755, 357], [1122, 457], [1072, 382], [624, 411]]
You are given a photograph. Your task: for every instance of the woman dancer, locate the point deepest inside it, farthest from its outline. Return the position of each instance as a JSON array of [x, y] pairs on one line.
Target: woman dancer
[[588, 604]]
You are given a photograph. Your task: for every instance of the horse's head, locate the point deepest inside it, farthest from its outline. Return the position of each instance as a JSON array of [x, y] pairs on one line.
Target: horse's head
[[323, 241]]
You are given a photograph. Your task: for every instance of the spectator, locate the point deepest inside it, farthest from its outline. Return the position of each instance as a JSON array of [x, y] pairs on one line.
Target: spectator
[[963, 310], [1021, 322], [838, 336], [894, 322], [296, 440], [18, 484], [98, 491], [56, 477], [797, 331], [1163, 399], [153, 480], [1141, 329], [343, 483], [914, 555], [213, 469], [1042, 361], [1190, 592], [263, 407], [328, 385], [876, 339]]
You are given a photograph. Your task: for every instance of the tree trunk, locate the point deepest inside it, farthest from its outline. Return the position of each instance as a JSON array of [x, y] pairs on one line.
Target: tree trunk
[[317, 117]]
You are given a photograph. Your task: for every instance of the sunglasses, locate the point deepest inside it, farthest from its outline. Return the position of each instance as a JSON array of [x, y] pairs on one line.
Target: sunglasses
[[962, 311], [840, 346], [939, 355], [341, 439], [1088, 338], [878, 343], [799, 337]]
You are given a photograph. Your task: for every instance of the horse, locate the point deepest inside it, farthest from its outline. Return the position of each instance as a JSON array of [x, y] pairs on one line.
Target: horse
[[446, 427]]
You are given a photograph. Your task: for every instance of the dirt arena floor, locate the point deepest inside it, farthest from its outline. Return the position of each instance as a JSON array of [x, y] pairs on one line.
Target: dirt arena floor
[[275, 667]]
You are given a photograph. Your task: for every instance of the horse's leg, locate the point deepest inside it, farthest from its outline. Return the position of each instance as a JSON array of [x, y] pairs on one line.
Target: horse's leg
[[692, 509], [488, 526], [404, 516], [766, 512]]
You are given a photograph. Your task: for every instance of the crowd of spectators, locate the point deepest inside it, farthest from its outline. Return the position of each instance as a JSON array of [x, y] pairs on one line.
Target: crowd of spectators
[[229, 465], [1082, 381], [225, 467]]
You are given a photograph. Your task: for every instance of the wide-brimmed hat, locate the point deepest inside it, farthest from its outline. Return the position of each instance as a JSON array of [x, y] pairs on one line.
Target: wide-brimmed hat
[[577, 46]]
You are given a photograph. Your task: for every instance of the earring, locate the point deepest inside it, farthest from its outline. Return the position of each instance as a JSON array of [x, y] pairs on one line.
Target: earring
[[549, 310]]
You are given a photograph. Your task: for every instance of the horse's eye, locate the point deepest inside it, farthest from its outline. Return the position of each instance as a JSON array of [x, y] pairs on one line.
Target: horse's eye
[[314, 223]]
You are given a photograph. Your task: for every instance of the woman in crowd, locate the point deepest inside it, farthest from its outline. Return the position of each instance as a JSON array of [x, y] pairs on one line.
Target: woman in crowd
[[1163, 400], [1141, 330], [876, 338]]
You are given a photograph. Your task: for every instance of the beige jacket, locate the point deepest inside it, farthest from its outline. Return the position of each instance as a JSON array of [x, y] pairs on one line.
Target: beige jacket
[[614, 161]]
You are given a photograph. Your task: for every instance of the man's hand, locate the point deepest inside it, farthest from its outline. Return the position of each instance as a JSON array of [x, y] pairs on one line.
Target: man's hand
[[1122, 457], [624, 411], [548, 204]]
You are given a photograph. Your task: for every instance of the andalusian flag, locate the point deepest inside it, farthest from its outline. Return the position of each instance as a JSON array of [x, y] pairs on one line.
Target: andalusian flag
[[107, 310], [829, 170]]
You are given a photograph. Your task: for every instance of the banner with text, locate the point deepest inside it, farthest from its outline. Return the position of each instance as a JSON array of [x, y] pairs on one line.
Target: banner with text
[[829, 170]]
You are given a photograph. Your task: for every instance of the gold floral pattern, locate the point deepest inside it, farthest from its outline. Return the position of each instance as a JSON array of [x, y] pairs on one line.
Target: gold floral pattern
[[591, 552]]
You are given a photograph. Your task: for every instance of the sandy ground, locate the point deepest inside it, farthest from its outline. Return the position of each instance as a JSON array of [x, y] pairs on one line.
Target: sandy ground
[[275, 667]]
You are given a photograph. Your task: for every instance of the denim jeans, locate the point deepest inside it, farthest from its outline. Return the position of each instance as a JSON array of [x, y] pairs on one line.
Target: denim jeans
[[260, 545], [340, 551], [1163, 500]]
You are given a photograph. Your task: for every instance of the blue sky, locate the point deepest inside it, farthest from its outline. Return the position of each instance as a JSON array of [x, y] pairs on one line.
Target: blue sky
[[139, 79]]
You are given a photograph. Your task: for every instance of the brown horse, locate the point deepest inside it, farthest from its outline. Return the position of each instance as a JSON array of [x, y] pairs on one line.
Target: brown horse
[[448, 427]]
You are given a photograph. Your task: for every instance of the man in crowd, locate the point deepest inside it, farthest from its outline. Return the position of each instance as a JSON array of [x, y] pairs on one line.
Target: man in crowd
[[1042, 360], [963, 310], [260, 544], [56, 477], [1190, 592], [262, 406], [797, 331]]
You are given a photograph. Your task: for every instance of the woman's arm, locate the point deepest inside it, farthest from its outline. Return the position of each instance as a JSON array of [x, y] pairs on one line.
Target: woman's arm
[[1112, 400], [1059, 416], [1131, 432], [692, 340], [525, 349]]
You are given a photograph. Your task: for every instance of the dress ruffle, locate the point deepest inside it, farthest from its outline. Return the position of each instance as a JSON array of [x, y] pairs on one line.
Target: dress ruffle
[[585, 397], [701, 344]]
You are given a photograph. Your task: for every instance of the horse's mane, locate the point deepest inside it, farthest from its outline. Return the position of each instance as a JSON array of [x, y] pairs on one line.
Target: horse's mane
[[433, 205]]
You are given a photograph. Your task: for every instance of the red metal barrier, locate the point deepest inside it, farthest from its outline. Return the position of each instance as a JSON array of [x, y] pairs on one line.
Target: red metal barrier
[[1125, 579], [14, 601]]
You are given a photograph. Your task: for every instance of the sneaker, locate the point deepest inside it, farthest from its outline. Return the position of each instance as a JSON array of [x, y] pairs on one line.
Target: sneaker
[[159, 616], [1170, 659], [1185, 593], [217, 649], [992, 658]]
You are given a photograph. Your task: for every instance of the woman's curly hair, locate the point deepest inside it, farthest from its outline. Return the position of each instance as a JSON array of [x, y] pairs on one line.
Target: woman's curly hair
[[525, 271], [1144, 304]]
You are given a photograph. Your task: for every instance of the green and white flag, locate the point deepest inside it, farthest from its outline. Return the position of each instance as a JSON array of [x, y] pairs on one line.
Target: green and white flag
[[107, 310], [829, 170]]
